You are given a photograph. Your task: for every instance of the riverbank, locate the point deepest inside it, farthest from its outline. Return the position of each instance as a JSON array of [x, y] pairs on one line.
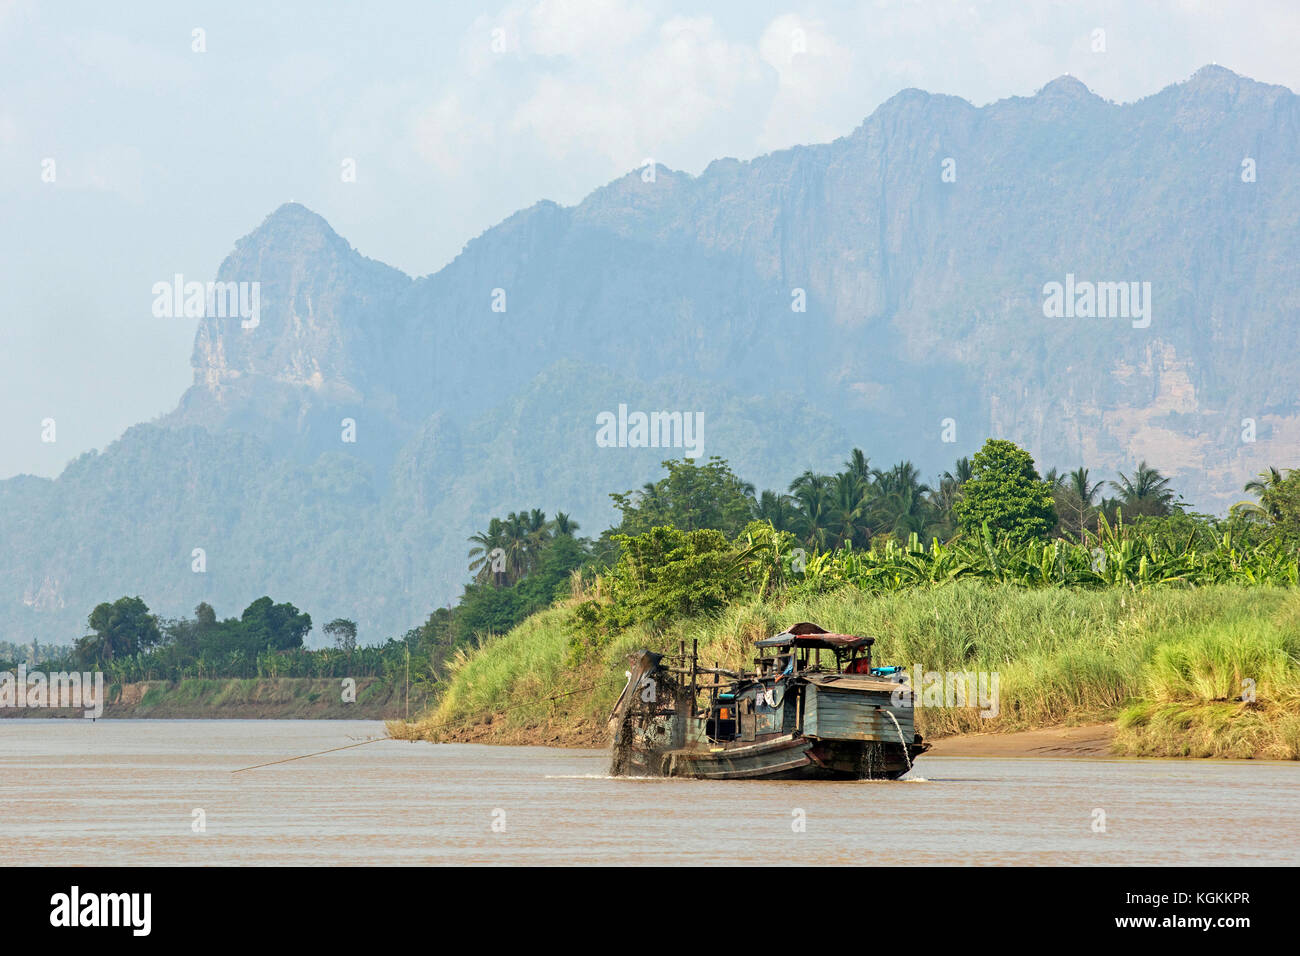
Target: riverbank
[[1178, 672], [1090, 740], [247, 698]]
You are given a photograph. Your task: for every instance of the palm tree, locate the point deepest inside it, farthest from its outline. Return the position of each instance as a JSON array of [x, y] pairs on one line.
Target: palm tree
[[900, 500], [1147, 492], [909, 511], [483, 556], [510, 549], [809, 479], [649, 497], [902, 476], [563, 526], [527, 533], [943, 502], [858, 465], [961, 472], [1262, 487], [812, 492], [780, 510], [1077, 482], [516, 543], [850, 507], [1265, 481], [1055, 480], [539, 536]]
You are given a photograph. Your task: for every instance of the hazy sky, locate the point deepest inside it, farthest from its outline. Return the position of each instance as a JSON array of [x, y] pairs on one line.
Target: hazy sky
[[456, 115]]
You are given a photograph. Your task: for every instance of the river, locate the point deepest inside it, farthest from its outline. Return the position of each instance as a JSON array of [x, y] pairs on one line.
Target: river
[[163, 792]]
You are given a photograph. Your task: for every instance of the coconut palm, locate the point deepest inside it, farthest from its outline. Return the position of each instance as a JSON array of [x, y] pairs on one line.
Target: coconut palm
[[809, 479], [1265, 481], [510, 548], [483, 556], [563, 526], [901, 477], [961, 472], [943, 501], [782, 511], [1077, 482], [1262, 486], [858, 465], [1055, 479], [908, 511], [813, 494], [901, 505], [1146, 492], [850, 509], [515, 542]]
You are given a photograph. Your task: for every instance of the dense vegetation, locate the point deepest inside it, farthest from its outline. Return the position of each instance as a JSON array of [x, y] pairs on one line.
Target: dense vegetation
[[685, 546], [1169, 663], [700, 545], [1158, 622]]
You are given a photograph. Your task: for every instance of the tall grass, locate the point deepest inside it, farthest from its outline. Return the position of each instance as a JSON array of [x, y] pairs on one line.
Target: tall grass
[[1063, 655], [1229, 688]]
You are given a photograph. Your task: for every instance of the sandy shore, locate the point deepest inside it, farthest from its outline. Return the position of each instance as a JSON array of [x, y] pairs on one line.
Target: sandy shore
[[1093, 740]]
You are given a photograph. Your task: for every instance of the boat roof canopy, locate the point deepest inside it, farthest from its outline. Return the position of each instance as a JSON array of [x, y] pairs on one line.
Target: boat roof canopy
[[806, 634]]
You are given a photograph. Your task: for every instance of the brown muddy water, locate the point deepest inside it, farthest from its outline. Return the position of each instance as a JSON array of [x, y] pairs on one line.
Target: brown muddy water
[[127, 792]]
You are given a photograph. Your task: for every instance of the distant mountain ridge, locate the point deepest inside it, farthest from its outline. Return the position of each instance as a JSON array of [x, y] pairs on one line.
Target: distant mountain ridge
[[919, 246]]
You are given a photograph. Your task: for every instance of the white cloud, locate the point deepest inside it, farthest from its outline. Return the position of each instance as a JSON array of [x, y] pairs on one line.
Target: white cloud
[[683, 79], [448, 133], [600, 83], [584, 27], [811, 69]]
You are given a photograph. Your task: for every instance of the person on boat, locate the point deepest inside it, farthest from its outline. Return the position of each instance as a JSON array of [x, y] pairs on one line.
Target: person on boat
[[859, 665]]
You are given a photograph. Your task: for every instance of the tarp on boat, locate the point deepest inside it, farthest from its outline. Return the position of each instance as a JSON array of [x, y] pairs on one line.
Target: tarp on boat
[[806, 634]]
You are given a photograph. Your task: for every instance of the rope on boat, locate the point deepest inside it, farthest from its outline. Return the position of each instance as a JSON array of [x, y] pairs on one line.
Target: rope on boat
[[445, 724]]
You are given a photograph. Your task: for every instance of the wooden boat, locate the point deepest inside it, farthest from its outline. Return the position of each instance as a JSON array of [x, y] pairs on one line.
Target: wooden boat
[[792, 717]]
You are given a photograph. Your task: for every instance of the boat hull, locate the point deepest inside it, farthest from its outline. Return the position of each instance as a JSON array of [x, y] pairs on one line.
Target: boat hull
[[793, 758]]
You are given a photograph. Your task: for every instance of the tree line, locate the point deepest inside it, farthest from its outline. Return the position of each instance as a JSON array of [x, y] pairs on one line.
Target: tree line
[[891, 521], [862, 506], [128, 642]]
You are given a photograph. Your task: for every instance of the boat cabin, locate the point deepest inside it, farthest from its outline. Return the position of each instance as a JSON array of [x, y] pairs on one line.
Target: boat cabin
[[770, 701]]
